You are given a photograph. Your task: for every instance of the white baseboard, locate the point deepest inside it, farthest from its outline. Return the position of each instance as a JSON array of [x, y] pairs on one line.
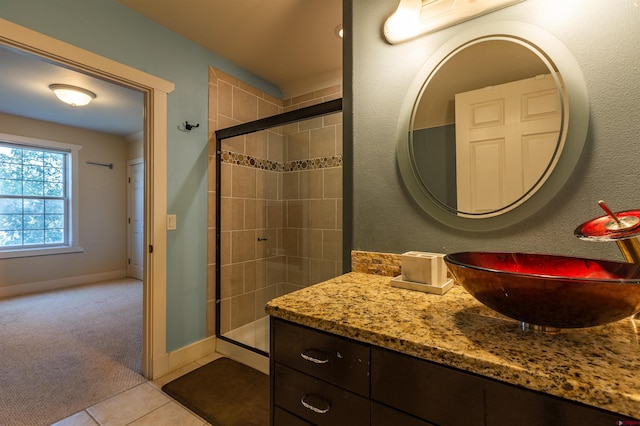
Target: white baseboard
[[183, 356], [202, 348], [20, 289]]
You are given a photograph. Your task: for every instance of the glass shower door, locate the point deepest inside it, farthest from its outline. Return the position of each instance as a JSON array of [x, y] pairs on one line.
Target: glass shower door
[[280, 213]]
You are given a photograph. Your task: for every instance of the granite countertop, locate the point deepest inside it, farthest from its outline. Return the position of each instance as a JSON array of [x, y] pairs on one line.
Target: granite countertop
[[597, 366]]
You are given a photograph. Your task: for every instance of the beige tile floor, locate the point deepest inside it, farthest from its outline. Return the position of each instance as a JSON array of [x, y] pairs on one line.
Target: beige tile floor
[[144, 404]]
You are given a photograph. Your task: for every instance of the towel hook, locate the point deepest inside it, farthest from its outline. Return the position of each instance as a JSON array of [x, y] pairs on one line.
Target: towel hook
[[186, 127]]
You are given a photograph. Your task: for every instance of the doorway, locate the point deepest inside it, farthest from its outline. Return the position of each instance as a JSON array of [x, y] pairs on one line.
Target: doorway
[[155, 90]]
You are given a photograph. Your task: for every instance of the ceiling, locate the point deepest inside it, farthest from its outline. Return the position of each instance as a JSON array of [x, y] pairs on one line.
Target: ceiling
[[24, 91], [290, 43]]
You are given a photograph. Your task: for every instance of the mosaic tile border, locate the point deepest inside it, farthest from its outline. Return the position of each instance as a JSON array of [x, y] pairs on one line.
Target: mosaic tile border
[[239, 159]]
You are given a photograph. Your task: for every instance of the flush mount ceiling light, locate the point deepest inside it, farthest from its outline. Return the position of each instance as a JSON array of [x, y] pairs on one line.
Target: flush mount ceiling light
[[74, 96], [414, 18]]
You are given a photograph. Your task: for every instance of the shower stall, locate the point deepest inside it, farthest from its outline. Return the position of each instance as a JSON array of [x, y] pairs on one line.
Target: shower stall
[[278, 215]]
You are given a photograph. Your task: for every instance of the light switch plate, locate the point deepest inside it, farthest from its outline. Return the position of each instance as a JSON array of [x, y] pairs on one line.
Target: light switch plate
[[171, 222]]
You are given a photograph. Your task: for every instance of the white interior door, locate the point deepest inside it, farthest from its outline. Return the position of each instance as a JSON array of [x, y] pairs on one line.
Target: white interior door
[[135, 220], [506, 136]]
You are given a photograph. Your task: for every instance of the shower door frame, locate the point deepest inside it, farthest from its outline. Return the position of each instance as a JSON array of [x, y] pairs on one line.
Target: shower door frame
[[314, 111]]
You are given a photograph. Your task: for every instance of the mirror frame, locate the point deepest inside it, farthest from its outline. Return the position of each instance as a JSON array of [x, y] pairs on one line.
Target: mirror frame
[[550, 68], [575, 124]]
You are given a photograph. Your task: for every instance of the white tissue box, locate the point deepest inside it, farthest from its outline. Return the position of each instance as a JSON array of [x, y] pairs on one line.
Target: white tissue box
[[424, 268]]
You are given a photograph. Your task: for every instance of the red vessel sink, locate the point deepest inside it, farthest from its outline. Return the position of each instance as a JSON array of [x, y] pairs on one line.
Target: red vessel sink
[[548, 290]]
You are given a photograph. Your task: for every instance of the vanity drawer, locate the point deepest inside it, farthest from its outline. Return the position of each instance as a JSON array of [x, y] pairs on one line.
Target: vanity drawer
[[334, 359], [285, 418], [437, 394], [381, 415], [316, 401]]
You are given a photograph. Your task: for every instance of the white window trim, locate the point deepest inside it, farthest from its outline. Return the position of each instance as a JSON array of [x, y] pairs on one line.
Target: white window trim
[[74, 243]]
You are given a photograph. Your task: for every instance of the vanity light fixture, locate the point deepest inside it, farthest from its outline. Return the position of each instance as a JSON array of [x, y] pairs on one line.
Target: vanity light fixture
[[405, 21], [413, 18], [72, 95]]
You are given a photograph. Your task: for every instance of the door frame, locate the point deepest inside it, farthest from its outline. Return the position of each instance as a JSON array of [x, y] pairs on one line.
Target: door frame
[[154, 354]]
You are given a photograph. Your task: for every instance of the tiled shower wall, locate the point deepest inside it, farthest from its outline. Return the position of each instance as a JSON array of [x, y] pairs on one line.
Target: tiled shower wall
[[281, 200], [312, 195]]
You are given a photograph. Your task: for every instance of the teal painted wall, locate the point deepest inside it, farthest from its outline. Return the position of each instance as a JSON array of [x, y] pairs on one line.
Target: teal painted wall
[[109, 29]]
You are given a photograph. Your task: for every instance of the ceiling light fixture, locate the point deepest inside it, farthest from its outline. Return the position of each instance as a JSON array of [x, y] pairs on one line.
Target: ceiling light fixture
[[74, 96]]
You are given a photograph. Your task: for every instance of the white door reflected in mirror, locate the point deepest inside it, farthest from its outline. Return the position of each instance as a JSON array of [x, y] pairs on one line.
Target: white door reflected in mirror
[[499, 126], [506, 137]]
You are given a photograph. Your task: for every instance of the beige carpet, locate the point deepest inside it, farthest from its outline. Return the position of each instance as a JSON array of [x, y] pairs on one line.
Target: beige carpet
[[66, 350]]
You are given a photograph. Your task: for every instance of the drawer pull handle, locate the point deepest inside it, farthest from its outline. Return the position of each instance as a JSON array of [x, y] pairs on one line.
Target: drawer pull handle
[[312, 407], [315, 357]]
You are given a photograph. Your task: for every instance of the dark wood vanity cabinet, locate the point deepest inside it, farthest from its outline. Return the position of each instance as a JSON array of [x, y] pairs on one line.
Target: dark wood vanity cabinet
[[448, 396], [426, 390], [318, 378]]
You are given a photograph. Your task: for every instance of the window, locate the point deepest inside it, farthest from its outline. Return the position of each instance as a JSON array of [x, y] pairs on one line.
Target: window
[[38, 207]]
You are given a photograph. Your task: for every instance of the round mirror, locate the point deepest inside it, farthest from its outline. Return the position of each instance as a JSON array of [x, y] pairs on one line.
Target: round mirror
[[496, 127]]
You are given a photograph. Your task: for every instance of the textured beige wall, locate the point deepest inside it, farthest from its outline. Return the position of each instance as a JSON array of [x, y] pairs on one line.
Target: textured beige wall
[[103, 208], [135, 146], [233, 102]]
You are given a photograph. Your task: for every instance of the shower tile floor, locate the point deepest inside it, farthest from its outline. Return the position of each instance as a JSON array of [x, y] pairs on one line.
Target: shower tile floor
[[255, 334]]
